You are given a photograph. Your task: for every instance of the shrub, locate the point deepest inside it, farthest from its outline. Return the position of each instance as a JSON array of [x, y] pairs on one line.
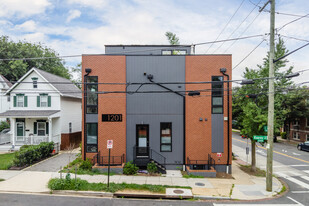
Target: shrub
[[152, 167], [4, 125], [130, 168], [24, 147], [86, 165], [283, 135], [32, 153]]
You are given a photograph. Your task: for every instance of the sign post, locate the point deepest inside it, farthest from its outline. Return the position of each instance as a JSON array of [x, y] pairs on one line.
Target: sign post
[[109, 147]]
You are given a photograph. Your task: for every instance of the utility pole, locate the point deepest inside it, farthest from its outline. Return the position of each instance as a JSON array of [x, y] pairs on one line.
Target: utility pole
[[270, 132]]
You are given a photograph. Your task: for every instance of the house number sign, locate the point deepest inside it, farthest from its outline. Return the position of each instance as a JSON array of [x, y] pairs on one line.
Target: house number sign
[[111, 117]]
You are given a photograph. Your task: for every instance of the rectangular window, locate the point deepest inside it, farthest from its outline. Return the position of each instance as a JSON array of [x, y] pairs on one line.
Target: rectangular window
[[307, 137], [166, 137], [92, 137], [296, 122], [217, 95], [307, 119], [43, 100], [20, 101], [35, 83], [296, 135], [92, 95], [70, 127], [41, 128]]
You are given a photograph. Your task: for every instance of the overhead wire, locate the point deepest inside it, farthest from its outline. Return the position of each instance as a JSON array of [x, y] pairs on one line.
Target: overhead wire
[[237, 27], [226, 25], [290, 22]]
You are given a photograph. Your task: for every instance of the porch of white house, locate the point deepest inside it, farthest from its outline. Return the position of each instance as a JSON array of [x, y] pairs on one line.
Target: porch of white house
[[34, 127]]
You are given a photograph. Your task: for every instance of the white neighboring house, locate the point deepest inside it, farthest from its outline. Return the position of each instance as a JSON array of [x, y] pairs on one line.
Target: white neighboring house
[[43, 107], [4, 100]]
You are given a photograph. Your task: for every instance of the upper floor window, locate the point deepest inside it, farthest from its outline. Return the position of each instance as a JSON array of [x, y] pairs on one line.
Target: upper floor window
[[217, 95], [43, 100], [70, 127], [92, 94], [296, 122], [35, 82], [307, 119], [20, 100]]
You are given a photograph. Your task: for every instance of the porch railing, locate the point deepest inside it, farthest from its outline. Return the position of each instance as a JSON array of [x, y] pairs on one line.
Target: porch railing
[[142, 152], [103, 160], [210, 162], [30, 140]]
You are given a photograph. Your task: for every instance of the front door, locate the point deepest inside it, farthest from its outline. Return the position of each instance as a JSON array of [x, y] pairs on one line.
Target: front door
[[142, 140], [20, 131]]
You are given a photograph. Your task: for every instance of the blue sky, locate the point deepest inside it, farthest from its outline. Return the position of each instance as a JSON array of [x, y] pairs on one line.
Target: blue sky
[[84, 26]]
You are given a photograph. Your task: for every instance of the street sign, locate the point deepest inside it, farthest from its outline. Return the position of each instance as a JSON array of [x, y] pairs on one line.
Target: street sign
[[109, 144], [265, 128], [260, 138], [219, 154]]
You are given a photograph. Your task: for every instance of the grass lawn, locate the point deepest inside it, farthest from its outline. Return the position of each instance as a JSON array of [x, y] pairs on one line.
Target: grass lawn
[[6, 160], [258, 173]]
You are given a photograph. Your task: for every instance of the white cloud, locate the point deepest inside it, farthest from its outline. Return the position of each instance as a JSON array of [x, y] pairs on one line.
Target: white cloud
[[23, 8], [73, 14], [27, 26], [90, 3]]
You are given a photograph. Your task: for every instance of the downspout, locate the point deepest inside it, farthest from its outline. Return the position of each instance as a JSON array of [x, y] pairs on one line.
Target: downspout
[[228, 119]]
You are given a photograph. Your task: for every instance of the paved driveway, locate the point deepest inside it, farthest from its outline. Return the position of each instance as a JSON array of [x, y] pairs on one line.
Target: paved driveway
[[53, 164]]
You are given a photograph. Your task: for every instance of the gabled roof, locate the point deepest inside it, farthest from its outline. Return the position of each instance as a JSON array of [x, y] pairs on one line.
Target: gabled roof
[[5, 82], [64, 86]]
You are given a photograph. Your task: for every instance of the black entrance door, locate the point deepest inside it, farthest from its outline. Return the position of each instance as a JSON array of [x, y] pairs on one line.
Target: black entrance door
[[142, 140]]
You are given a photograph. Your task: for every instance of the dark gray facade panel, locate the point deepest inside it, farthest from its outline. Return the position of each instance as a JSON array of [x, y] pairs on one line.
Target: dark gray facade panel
[[91, 118], [154, 108], [145, 50], [174, 157], [217, 135]]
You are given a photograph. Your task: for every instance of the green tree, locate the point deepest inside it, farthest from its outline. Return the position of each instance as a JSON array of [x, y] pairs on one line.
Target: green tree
[[15, 69], [172, 38]]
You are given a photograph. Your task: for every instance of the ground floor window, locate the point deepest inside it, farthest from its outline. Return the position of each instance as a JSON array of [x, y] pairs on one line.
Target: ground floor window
[[307, 137], [166, 137], [92, 137], [296, 135]]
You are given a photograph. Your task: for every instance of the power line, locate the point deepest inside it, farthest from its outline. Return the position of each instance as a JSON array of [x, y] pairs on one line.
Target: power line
[[248, 54], [292, 22], [226, 24], [237, 27], [293, 38], [233, 39]]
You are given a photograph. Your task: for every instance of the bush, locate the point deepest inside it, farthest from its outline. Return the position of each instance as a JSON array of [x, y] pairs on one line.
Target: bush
[[130, 168], [152, 167], [86, 165], [4, 125], [283, 135], [32, 153]]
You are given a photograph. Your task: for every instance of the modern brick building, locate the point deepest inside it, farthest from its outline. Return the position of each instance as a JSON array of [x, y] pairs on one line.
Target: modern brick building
[[146, 99], [299, 129]]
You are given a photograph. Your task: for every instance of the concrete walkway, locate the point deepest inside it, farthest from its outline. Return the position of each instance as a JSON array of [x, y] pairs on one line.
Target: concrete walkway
[[246, 187]]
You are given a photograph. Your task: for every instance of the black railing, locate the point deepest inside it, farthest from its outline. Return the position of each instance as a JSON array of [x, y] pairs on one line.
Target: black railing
[[157, 157], [210, 162], [103, 160]]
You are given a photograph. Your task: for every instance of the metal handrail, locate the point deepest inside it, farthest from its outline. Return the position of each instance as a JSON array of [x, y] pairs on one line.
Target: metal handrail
[[103, 160], [161, 156]]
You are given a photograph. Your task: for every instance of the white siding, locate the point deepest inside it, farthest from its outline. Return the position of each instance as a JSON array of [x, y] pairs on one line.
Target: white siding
[[32, 93], [71, 111], [4, 104]]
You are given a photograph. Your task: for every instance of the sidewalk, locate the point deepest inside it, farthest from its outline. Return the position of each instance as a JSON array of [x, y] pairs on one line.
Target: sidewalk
[[246, 187]]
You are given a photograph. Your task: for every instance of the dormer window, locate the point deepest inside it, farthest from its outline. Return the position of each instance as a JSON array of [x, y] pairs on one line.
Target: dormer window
[[35, 82]]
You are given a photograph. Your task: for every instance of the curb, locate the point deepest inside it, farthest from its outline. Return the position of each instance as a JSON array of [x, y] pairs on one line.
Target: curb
[[83, 193], [202, 197]]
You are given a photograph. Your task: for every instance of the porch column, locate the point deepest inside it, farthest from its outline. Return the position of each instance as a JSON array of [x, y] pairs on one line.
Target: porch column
[[50, 127], [13, 122]]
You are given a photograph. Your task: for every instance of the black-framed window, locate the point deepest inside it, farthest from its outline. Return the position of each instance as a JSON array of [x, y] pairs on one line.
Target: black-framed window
[[92, 94], [35, 82], [217, 95], [92, 137], [165, 136]]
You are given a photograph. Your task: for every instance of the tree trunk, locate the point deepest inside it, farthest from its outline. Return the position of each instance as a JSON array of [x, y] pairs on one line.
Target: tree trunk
[[253, 162]]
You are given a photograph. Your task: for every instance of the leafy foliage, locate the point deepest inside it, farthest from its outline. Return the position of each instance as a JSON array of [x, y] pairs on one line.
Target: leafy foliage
[[14, 69], [152, 167], [86, 165], [172, 38], [4, 125], [33, 153], [130, 168]]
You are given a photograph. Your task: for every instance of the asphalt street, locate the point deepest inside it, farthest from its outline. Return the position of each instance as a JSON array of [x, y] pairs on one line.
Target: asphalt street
[[290, 164]]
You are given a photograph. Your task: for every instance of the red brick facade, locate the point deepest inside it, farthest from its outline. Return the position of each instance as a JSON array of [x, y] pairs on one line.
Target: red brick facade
[[198, 133], [299, 130]]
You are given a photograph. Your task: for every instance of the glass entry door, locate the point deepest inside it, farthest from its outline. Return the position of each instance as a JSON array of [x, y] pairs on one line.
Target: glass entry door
[[20, 130], [142, 140]]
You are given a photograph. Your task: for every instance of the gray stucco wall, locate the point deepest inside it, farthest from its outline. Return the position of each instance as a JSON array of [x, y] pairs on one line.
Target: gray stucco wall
[[217, 136], [154, 108], [142, 50]]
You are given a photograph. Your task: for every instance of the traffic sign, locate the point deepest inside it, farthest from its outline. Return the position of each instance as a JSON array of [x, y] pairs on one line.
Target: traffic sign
[[265, 128], [219, 154], [109, 144], [260, 138]]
